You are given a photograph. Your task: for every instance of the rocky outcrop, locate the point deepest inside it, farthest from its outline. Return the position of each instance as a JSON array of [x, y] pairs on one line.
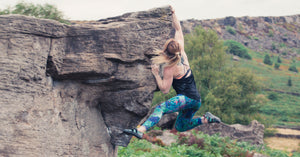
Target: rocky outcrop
[[70, 90], [264, 34], [253, 133]]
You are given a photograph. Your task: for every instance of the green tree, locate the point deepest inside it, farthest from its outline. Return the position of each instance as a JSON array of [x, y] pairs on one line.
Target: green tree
[[279, 60], [237, 48], [230, 30], [227, 91], [267, 60], [276, 66], [46, 11], [290, 82], [293, 68]]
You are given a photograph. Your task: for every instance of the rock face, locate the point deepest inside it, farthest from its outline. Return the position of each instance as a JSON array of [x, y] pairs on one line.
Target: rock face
[[253, 133], [70, 90], [264, 34]]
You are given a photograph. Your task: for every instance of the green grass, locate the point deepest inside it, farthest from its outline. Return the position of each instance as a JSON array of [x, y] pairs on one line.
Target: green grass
[[285, 109], [269, 76], [198, 144]]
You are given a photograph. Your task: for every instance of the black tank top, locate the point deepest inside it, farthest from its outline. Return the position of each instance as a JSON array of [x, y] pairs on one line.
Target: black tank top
[[186, 86]]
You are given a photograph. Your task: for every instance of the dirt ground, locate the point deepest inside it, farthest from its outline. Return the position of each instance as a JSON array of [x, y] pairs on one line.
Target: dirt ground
[[287, 144]]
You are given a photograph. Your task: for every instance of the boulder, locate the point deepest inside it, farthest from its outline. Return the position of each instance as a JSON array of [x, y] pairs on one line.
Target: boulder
[[70, 90], [253, 133]]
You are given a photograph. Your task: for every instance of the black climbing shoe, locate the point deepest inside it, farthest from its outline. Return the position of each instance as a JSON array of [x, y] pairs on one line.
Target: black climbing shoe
[[134, 132], [211, 118]]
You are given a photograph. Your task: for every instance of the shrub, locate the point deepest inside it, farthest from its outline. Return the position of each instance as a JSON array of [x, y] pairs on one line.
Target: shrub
[[273, 96], [271, 33], [273, 46], [279, 60], [255, 38], [281, 45], [269, 132], [46, 11], [267, 60], [293, 68], [230, 30], [290, 82], [237, 48], [276, 66]]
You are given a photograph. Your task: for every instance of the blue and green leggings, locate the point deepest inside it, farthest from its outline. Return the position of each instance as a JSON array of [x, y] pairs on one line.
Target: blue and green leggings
[[186, 107]]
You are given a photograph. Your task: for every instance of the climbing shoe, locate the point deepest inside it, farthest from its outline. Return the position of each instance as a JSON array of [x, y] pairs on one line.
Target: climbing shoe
[[134, 132], [211, 118]]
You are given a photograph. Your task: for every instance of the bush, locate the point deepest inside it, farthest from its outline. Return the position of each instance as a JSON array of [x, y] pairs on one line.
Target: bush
[[273, 96], [230, 30], [290, 82], [200, 145], [237, 48], [276, 66], [271, 33], [273, 46], [267, 60], [46, 11], [293, 68], [269, 132], [279, 60]]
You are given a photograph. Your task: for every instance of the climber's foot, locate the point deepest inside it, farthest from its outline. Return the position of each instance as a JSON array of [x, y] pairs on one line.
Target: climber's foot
[[134, 132], [211, 118]]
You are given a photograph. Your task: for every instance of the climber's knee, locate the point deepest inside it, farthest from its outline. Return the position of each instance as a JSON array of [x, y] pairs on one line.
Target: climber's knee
[[180, 126]]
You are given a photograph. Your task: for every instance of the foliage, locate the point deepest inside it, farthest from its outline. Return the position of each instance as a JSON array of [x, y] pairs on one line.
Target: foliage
[[273, 96], [237, 48], [279, 60], [270, 78], [289, 82], [230, 30], [270, 132], [267, 60], [209, 146], [273, 46], [276, 66], [271, 33], [45, 11], [233, 97], [229, 92], [255, 38], [293, 68]]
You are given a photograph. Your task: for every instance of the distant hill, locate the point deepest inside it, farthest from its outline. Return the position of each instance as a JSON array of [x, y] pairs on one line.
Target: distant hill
[[280, 35]]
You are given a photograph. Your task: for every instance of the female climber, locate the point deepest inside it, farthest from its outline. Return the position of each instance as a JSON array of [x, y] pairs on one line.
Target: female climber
[[176, 72]]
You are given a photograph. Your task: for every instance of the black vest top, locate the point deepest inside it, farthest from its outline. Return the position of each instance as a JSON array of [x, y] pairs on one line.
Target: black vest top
[[186, 86]]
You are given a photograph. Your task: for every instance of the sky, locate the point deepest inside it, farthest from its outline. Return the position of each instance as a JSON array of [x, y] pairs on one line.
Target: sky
[[185, 9]]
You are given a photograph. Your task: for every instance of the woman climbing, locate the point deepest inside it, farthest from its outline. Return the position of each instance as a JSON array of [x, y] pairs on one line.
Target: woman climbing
[[176, 72]]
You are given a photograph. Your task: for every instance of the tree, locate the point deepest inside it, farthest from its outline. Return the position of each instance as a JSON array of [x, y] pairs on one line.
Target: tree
[[276, 66], [236, 48], [46, 11], [279, 60], [290, 82], [227, 91], [293, 68], [267, 60]]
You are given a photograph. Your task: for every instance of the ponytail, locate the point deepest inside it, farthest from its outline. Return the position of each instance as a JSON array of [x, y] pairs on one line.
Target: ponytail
[[170, 54]]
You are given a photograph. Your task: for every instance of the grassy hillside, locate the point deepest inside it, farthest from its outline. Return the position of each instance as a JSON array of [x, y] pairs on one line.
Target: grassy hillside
[[282, 107]]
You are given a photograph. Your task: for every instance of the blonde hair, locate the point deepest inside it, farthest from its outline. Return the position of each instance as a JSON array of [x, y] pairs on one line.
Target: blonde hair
[[170, 54]]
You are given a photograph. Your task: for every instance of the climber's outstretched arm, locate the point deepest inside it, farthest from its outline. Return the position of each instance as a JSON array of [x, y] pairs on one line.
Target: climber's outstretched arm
[[179, 36]]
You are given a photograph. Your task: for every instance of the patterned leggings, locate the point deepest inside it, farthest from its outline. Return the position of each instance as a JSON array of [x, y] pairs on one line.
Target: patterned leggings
[[186, 107]]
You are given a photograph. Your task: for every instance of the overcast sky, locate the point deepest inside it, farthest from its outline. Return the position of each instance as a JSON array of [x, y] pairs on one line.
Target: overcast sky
[[185, 9]]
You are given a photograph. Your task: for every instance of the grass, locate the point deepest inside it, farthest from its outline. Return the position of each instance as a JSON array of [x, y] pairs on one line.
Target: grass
[[271, 78], [285, 109], [198, 144]]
